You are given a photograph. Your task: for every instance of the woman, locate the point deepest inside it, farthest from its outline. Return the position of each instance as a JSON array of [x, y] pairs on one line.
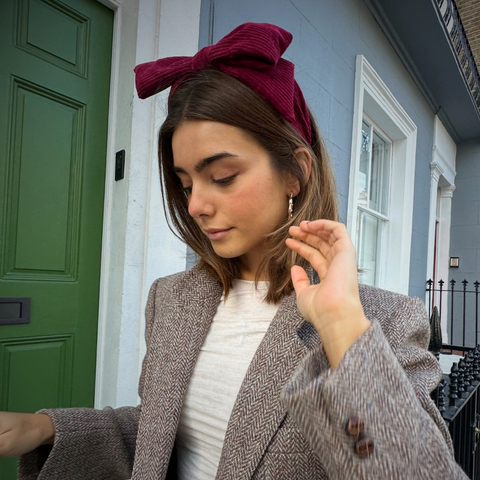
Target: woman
[[266, 360]]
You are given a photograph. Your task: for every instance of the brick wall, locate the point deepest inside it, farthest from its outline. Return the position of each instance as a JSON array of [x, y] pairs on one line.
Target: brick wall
[[470, 14]]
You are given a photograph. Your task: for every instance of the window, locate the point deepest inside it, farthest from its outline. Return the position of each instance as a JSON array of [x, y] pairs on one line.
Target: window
[[380, 203], [373, 188]]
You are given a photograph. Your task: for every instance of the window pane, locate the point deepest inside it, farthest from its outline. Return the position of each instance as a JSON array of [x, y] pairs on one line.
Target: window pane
[[363, 181], [368, 246], [380, 172]]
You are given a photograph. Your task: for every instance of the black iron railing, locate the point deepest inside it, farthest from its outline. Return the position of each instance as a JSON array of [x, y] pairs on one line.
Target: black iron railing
[[458, 311], [453, 24], [458, 400]]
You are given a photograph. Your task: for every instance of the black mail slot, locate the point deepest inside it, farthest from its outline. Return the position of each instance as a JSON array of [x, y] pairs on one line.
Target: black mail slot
[[14, 311]]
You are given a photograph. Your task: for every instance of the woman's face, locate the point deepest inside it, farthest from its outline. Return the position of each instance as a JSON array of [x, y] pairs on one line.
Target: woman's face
[[234, 194]]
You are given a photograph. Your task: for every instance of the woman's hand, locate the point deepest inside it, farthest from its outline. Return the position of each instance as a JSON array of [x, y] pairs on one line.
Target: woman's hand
[[23, 432], [333, 306]]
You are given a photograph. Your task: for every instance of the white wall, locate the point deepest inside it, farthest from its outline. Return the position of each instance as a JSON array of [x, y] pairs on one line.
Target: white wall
[[137, 245]]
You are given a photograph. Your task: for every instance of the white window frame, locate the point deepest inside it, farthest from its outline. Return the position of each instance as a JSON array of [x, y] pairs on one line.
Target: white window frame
[[381, 256], [373, 98]]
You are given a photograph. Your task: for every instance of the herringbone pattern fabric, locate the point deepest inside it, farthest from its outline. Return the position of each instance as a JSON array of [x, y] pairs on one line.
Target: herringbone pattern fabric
[[289, 417]]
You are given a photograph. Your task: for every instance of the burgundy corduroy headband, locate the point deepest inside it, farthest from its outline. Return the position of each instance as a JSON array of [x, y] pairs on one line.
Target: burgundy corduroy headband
[[252, 53]]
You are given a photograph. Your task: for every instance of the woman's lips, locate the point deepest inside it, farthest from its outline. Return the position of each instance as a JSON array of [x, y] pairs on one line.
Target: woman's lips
[[215, 234]]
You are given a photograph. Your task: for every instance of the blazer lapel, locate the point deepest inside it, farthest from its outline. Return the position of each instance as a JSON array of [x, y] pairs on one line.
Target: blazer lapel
[[258, 411], [179, 331]]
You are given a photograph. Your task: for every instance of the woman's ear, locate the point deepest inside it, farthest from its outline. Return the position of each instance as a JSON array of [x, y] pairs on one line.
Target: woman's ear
[[305, 161]]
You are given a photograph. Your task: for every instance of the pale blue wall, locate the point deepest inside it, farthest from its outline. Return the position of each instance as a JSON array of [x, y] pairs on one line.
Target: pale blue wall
[[465, 226], [465, 238], [327, 36]]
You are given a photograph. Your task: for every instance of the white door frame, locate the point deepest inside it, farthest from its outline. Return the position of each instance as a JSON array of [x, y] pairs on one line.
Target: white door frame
[[442, 179], [137, 246]]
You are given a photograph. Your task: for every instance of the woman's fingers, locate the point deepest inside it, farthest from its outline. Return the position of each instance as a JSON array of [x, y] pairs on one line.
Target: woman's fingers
[[328, 226], [318, 232], [322, 242], [325, 244], [333, 306], [328, 231], [313, 239], [334, 231], [300, 279], [314, 256]]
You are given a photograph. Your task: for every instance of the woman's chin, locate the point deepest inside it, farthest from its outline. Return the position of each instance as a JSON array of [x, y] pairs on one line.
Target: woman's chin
[[227, 254]]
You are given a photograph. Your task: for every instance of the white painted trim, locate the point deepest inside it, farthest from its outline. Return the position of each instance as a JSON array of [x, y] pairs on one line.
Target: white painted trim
[[443, 172], [436, 172], [104, 331], [355, 153], [373, 97], [112, 4], [439, 159], [444, 151], [137, 246], [445, 214]]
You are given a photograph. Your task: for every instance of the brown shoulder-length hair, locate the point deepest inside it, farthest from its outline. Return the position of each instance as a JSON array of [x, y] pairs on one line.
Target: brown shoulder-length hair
[[213, 95]]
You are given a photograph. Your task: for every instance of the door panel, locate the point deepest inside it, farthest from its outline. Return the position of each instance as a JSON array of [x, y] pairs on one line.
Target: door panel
[[50, 363], [44, 126], [40, 25], [54, 90]]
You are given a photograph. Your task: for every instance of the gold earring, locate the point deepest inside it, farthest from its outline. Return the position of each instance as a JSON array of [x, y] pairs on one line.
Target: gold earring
[[290, 206]]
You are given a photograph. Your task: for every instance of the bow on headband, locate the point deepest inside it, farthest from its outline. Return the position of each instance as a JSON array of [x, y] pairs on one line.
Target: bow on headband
[[252, 53]]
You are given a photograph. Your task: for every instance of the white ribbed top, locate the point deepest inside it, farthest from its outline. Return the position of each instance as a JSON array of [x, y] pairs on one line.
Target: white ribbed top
[[236, 331]]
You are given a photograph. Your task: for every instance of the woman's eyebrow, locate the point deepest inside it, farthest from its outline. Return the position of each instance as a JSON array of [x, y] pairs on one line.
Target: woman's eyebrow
[[205, 162]]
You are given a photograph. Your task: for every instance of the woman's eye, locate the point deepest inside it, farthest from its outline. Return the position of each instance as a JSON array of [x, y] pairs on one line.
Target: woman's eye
[[187, 190], [225, 181]]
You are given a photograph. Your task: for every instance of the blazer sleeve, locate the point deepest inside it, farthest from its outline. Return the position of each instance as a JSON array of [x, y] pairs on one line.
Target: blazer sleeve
[[90, 443], [387, 385]]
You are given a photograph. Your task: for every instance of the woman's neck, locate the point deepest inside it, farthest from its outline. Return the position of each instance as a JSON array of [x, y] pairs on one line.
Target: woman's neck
[[250, 276], [250, 267]]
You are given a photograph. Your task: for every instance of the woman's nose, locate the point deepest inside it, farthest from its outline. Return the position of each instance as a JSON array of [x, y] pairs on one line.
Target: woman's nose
[[199, 203]]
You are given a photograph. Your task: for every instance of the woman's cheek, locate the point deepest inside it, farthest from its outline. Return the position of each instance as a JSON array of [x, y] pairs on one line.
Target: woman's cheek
[[244, 199]]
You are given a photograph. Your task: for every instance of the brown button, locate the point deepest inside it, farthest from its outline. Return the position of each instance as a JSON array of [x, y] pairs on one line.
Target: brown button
[[364, 446], [355, 426]]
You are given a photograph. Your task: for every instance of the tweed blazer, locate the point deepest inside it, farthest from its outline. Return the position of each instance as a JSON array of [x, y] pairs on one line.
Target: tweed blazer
[[288, 421]]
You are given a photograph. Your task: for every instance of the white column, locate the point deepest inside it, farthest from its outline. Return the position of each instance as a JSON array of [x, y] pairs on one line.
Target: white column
[[144, 31], [443, 249], [435, 172]]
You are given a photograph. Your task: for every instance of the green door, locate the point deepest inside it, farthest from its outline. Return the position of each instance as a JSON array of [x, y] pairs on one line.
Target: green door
[[54, 88]]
